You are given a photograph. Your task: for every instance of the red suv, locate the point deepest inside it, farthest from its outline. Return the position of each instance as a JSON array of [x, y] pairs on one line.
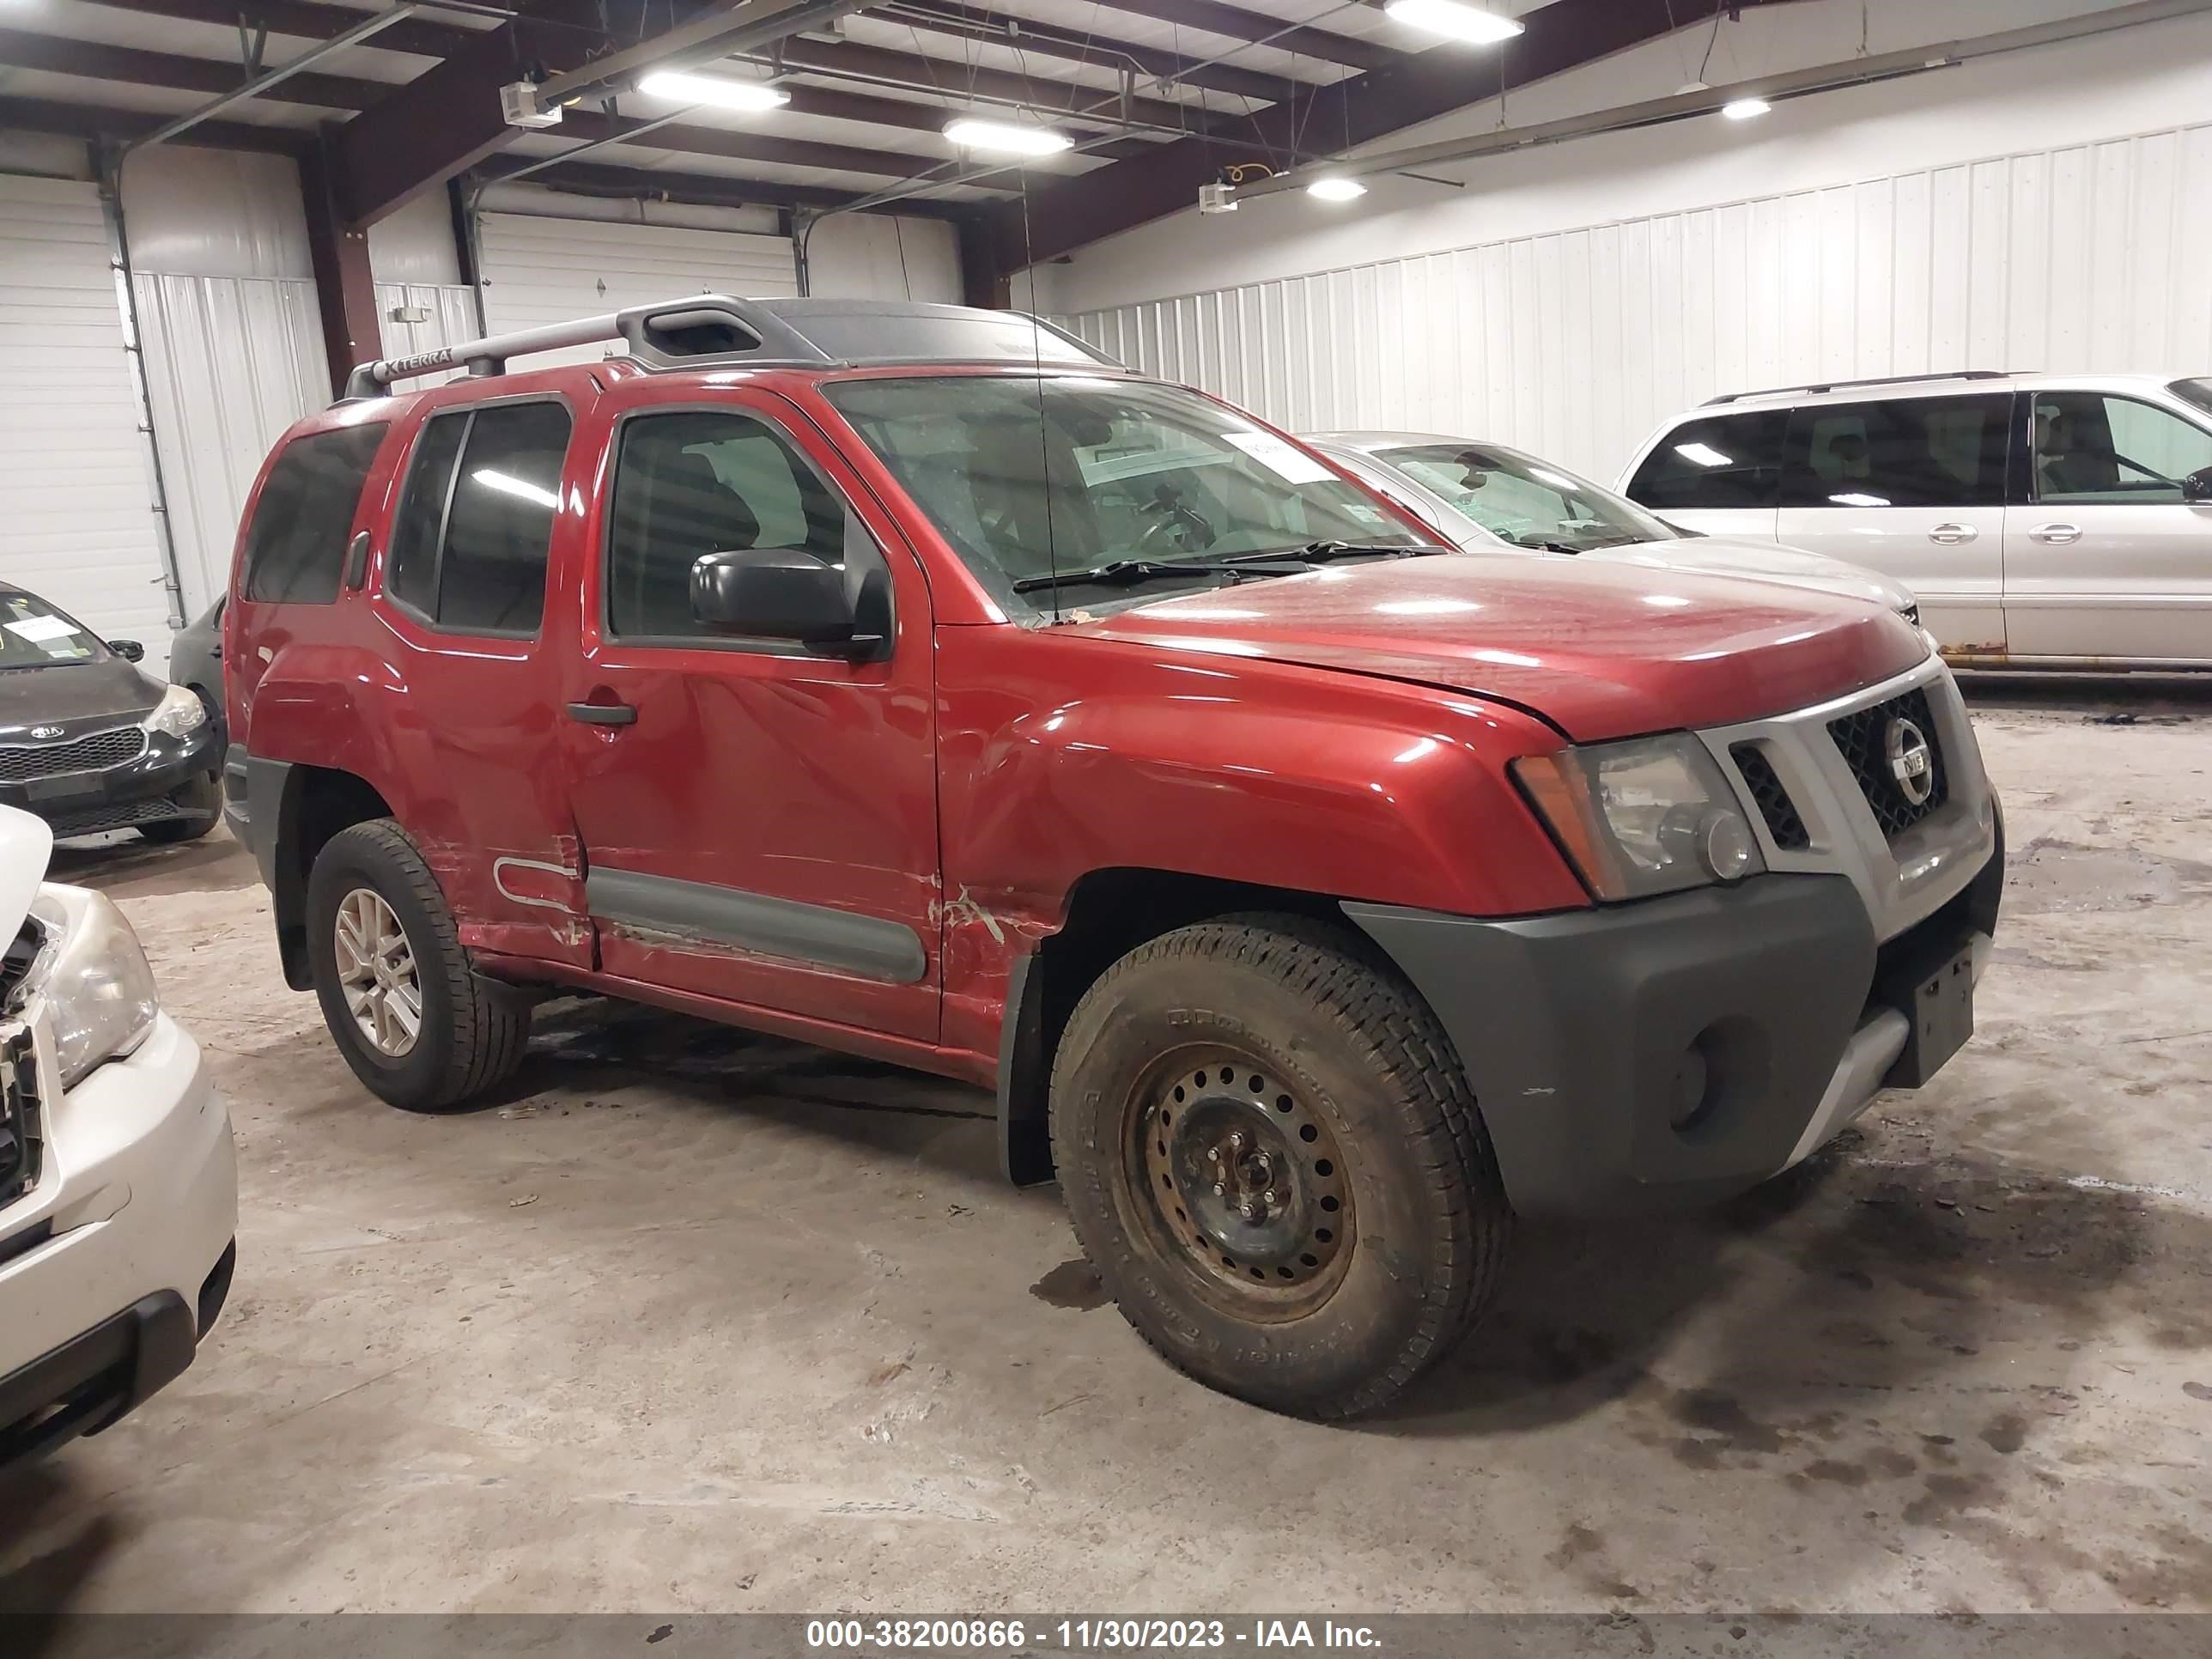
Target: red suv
[[916, 681]]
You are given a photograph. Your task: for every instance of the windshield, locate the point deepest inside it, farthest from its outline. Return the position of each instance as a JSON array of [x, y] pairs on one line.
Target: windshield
[[33, 634], [1524, 501], [1024, 478], [2197, 392]]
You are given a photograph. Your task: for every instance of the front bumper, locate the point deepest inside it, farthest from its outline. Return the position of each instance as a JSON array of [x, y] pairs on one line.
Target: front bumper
[[1586, 1035], [116, 1261], [174, 778]]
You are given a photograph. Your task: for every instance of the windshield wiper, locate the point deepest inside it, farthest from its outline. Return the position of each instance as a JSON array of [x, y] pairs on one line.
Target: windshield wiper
[[1287, 560], [1544, 544], [1128, 573], [1321, 552]]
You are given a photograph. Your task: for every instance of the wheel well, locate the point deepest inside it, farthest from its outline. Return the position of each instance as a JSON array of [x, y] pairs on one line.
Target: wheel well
[[1109, 914], [317, 803]]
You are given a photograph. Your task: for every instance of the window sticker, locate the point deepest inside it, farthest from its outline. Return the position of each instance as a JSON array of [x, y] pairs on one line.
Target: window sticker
[[1291, 465], [39, 630]]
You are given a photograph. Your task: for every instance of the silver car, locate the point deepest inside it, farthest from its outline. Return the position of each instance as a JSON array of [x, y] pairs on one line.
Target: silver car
[[1483, 497]]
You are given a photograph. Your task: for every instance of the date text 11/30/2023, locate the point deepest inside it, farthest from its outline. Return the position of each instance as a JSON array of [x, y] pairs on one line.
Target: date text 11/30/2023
[[1082, 1635]]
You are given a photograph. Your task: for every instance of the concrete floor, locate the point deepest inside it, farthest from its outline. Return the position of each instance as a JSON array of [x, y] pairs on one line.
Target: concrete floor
[[694, 1320]]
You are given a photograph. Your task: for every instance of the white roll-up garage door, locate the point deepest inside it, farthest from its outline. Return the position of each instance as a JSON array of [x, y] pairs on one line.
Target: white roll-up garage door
[[539, 270], [76, 520]]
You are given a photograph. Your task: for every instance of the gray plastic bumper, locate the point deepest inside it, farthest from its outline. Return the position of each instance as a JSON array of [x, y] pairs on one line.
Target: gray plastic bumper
[[1669, 1053]]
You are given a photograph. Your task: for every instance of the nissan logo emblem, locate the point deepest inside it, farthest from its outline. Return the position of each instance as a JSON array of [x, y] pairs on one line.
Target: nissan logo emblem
[[1911, 762]]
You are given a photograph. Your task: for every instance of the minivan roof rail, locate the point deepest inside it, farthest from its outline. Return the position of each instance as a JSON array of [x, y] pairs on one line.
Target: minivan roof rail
[[705, 331], [1844, 385]]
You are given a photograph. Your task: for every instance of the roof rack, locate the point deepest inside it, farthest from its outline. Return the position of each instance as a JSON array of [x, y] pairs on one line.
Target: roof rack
[[1842, 386], [705, 331]]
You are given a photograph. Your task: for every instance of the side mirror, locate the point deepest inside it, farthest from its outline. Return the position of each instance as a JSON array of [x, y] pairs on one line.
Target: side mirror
[[779, 593], [2197, 486], [129, 650]]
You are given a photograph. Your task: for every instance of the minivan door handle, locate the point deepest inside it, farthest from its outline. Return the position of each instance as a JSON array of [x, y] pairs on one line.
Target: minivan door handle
[[2059, 534], [1952, 534], [603, 714]]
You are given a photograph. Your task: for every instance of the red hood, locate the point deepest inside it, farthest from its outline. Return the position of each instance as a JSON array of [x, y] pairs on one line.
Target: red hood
[[1601, 650]]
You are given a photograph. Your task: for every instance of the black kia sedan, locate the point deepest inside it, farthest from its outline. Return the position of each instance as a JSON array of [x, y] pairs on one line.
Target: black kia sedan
[[90, 744]]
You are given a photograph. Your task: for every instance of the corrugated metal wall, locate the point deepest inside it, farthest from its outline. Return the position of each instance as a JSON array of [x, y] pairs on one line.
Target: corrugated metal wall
[[231, 362], [1577, 344], [234, 348], [75, 524]]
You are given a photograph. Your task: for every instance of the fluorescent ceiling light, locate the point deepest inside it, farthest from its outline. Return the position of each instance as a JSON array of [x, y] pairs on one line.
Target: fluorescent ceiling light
[[1742, 109], [1461, 23], [1335, 187], [507, 484], [1858, 498], [1005, 137], [1702, 455], [718, 90]]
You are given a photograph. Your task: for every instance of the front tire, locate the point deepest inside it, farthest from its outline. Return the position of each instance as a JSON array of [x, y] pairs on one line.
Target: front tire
[[1272, 1157], [415, 1021]]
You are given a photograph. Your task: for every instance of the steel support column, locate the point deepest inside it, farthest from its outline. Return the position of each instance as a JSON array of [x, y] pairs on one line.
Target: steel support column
[[345, 288]]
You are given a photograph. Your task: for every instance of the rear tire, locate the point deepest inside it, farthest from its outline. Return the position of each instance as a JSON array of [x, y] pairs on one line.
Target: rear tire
[[203, 803], [396, 935], [1272, 1157]]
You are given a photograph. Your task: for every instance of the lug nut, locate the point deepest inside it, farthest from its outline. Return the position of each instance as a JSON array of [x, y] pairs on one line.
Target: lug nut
[[1213, 1153], [1219, 1189], [1249, 1211], [1235, 1143]]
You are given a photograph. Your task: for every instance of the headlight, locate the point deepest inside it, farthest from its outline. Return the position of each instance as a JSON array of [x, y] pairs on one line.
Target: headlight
[[178, 712], [1653, 815], [99, 990]]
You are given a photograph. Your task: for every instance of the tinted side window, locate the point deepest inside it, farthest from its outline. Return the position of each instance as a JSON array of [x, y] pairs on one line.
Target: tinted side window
[[1905, 451], [707, 482], [412, 564], [1725, 460], [469, 549], [296, 547]]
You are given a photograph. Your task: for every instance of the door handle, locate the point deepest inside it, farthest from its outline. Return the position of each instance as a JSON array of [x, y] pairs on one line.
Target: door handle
[[1952, 534], [603, 714], [2059, 534]]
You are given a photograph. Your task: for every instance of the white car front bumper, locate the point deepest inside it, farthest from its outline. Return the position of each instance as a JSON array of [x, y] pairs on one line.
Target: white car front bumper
[[116, 1261]]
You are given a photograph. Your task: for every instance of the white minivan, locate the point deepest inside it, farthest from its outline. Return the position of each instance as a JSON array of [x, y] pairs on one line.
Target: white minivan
[[2060, 521]]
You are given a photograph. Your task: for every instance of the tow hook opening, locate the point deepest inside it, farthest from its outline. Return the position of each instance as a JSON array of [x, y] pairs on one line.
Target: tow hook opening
[[1720, 1068]]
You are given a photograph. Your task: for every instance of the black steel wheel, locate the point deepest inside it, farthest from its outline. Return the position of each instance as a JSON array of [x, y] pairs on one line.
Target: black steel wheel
[[1246, 1179]]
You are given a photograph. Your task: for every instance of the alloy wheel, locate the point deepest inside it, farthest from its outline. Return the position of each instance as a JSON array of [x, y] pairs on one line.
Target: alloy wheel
[[377, 972]]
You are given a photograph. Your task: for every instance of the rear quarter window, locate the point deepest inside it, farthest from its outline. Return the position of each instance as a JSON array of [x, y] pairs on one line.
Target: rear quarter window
[[1721, 461], [295, 546], [469, 545]]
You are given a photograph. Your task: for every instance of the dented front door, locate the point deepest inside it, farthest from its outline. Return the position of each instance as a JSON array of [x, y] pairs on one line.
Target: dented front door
[[759, 821]]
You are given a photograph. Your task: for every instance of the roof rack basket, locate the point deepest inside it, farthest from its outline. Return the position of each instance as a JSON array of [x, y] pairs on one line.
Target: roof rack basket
[[1846, 385]]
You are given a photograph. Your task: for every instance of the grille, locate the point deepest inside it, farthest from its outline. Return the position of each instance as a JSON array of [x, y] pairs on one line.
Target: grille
[[123, 815], [1862, 738], [21, 761], [20, 1138], [1773, 800]]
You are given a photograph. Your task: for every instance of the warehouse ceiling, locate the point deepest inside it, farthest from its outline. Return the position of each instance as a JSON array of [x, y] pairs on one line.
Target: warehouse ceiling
[[1158, 95]]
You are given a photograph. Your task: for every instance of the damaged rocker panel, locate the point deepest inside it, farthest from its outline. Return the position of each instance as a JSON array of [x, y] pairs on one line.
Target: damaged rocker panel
[[871, 947]]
